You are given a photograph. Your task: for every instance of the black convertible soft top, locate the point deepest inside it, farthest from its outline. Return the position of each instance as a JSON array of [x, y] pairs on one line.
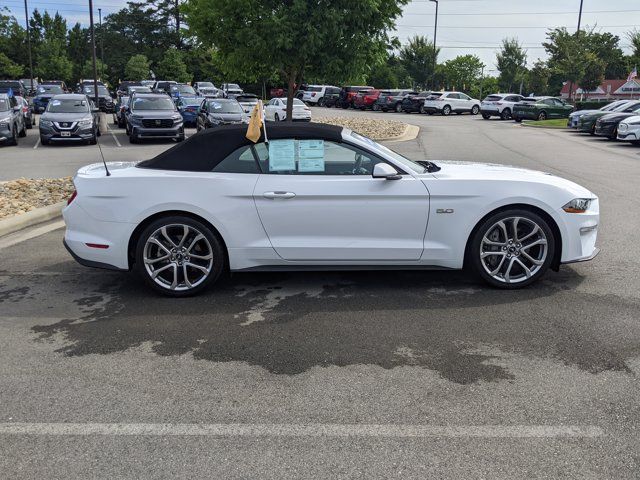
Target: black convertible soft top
[[204, 150]]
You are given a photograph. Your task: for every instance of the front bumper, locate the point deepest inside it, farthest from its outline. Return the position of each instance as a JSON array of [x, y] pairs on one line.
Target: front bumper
[[580, 234], [145, 132], [77, 134], [605, 129], [5, 134], [629, 135]]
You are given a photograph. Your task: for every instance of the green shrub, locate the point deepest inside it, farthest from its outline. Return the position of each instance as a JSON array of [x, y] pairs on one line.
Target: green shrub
[[591, 105]]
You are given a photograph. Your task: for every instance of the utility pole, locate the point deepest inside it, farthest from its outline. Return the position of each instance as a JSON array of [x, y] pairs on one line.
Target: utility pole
[[435, 51], [577, 35], [101, 45], [93, 54], [26, 20]]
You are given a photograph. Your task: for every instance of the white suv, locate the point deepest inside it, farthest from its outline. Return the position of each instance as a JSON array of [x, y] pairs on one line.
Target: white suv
[[499, 105], [447, 102], [314, 94]]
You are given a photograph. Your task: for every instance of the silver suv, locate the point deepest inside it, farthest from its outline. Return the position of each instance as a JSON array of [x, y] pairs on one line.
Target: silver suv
[[499, 105], [12, 123]]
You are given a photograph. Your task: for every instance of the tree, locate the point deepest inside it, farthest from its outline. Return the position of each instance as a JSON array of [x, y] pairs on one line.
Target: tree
[[417, 59], [462, 72], [137, 68], [8, 68], [86, 70], [172, 67], [593, 74], [295, 38], [511, 62], [79, 50], [538, 79]]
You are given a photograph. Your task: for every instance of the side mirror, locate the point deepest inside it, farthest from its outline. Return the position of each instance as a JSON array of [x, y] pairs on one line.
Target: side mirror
[[386, 171]]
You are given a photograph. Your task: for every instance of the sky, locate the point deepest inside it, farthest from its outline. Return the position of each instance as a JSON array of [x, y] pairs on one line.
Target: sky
[[464, 26]]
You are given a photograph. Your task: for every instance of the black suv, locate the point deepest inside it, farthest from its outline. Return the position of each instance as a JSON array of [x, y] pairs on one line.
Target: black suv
[[153, 115], [414, 102], [16, 87], [330, 97], [391, 100], [105, 101]]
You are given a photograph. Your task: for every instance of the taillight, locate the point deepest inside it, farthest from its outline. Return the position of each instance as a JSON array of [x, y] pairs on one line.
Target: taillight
[[313, 94], [72, 197]]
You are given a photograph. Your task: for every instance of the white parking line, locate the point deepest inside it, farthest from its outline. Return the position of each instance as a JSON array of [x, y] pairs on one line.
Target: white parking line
[[302, 430], [37, 143], [114, 136]]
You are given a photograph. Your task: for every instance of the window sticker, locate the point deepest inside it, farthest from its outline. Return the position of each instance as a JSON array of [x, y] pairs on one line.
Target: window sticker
[[282, 155], [56, 103], [311, 156]]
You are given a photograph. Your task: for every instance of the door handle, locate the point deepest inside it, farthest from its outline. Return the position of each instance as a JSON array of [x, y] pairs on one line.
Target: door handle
[[274, 195]]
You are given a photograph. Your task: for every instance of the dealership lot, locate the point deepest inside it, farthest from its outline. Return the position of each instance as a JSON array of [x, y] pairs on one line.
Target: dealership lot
[[317, 375]]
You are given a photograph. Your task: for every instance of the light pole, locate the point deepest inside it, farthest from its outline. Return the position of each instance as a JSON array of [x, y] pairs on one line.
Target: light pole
[[93, 54], [577, 35], [101, 45], [435, 51], [26, 20]]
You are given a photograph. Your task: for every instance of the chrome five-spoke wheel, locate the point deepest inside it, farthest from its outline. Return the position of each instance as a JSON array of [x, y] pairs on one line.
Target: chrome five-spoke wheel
[[179, 257], [513, 249]]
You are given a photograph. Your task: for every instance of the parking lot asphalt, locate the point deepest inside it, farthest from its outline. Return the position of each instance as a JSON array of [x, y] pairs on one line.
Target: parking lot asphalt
[[331, 375]]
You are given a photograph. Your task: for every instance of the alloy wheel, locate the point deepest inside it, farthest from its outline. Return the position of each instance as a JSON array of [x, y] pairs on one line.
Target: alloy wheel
[[399, 107], [178, 257], [513, 249]]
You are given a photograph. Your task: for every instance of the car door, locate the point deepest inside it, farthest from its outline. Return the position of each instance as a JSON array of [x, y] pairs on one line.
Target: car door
[[453, 99], [464, 102], [319, 202]]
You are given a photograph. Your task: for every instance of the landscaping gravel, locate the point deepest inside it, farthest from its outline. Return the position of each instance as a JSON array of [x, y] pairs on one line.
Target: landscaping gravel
[[23, 195], [375, 129]]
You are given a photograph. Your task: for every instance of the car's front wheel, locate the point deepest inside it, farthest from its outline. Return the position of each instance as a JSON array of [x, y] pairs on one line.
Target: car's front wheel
[[446, 110], [506, 114], [542, 116], [512, 249], [475, 109], [399, 107], [179, 256]]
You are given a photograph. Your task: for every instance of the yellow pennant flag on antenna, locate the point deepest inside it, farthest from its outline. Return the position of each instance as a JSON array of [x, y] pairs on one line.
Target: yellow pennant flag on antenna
[[255, 123]]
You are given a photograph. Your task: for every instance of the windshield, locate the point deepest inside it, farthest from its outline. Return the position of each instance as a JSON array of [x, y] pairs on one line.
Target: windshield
[[296, 101], [192, 101], [68, 105], [183, 89], [101, 90], [140, 89], [416, 167], [493, 98], [4, 105], [314, 89], [152, 103], [224, 107], [53, 89], [233, 86], [205, 85]]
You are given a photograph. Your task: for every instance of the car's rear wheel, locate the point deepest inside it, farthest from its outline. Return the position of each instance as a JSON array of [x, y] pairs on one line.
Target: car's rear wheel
[[399, 107], [485, 116], [517, 119], [446, 110], [542, 116], [422, 109], [506, 114], [512, 249], [376, 107], [321, 102], [23, 132], [179, 256], [475, 109]]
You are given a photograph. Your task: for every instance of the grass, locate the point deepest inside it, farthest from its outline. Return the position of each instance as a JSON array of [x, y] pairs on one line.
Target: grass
[[554, 123]]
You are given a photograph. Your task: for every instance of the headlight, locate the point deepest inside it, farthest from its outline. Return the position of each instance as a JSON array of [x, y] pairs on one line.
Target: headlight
[[85, 123], [177, 117], [5, 121], [577, 205], [135, 117], [45, 123]]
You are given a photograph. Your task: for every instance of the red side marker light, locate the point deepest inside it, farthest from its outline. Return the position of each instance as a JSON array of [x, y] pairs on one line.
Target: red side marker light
[[72, 197], [96, 245]]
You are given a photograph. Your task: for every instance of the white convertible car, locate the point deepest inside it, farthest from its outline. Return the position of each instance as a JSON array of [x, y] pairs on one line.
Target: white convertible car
[[318, 197]]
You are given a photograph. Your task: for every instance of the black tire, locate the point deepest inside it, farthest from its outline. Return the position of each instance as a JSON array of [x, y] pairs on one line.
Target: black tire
[[485, 116], [475, 110], [506, 114], [376, 107], [473, 258], [517, 119], [614, 135], [542, 116], [30, 125], [13, 140], [133, 137], [593, 130], [321, 102], [217, 251], [446, 110], [23, 133], [43, 140], [422, 109], [276, 117], [399, 107]]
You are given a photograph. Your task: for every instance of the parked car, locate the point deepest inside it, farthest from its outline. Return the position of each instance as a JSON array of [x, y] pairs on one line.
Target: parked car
[[607, 125], [206, 89], [163, 86], [366, 99], [230, 90], [321, 197], [277, 92], [574, 117], [331, 97], [541, 108], [414, 102], [348, 95], [30, 86], [189, 108], [499, 105], [276, 110], [391, 100], [69, 117], [121, 109], [181, 90], [152, 116], [44, 93], [448, 102], [137, 88], [16, 87], [12, 123], [629, 130], [247, 101], [27, 112], [123, 87], [215, 112], [314, 94], [59, 83], [148, 83], [105, 101], [587, 123]]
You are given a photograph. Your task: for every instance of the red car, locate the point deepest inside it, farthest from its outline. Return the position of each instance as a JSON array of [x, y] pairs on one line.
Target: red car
[[365, 99], [348, 95]]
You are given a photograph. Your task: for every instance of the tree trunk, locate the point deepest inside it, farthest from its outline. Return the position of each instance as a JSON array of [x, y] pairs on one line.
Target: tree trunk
[[291, 91]]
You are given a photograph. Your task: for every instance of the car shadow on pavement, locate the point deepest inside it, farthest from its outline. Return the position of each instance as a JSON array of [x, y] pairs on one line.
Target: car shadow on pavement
[[289, 323]]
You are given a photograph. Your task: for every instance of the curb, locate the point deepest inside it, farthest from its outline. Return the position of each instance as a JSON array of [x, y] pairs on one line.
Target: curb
[[29, 219], [410, 132], [544, 126]]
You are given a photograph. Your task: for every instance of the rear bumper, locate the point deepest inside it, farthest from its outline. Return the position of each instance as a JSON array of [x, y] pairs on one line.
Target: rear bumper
[[91, 263], [492, 112]]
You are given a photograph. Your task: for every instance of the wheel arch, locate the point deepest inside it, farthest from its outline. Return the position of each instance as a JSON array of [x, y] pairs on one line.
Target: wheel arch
[[135, 235], [557, 236]]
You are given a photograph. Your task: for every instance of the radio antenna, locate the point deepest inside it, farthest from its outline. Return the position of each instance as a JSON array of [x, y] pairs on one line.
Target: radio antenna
[[104, 162]]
